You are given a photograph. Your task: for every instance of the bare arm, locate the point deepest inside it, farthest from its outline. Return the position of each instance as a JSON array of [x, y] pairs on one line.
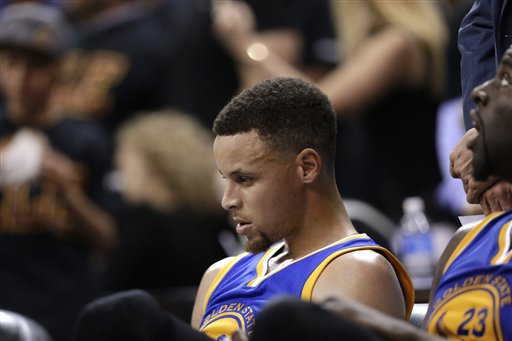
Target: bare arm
[[386, 326], [206, 281], [452, 244], [384, 60], [363, 276]]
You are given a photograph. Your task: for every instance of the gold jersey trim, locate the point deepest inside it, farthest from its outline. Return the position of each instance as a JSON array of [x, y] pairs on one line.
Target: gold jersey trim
[[468, 238], [403, 276], [504, 253], [218, 277], [262, 267]]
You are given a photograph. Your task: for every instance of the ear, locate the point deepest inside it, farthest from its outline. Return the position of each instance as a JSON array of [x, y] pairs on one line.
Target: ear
[[310, 165]]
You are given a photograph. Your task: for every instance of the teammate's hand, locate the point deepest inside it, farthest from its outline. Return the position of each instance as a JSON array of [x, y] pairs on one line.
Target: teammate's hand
[[497, 198], [461, 167]]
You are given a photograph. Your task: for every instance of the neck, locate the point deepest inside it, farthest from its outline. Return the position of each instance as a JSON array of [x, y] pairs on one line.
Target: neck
[[325, 222]]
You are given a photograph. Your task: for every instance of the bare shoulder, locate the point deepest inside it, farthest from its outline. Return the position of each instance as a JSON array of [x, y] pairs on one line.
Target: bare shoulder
[[206, 281], [452, 245], [367, 264], [448, 250], [365, 276]]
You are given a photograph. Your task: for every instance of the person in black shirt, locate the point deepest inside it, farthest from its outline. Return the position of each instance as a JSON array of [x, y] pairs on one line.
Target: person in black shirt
[[53, 213]]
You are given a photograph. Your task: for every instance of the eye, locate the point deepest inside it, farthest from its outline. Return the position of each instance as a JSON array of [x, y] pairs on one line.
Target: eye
[[244, 180]]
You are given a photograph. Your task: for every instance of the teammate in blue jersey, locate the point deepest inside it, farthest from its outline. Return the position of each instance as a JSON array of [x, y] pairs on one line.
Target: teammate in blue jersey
[[473, 298], [473, 291], [491, 146]]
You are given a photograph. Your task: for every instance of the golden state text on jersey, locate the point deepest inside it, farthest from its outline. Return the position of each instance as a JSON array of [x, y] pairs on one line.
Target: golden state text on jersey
[[473, 300], [244, 286]]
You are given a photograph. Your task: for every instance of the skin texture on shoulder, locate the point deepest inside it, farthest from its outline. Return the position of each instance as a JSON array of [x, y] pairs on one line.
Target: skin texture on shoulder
[[366, 277]]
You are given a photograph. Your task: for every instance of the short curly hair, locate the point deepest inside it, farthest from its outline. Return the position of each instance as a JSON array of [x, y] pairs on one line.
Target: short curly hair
[[288, 114]]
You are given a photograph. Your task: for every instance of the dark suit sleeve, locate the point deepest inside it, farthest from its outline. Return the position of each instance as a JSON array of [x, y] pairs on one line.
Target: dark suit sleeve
[[478, 56]]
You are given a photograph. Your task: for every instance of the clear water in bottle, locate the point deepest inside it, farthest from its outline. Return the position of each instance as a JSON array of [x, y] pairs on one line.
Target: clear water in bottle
[[415, 247]]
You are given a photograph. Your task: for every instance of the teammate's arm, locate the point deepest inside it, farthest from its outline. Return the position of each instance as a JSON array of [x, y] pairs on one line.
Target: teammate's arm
[[450, 247]]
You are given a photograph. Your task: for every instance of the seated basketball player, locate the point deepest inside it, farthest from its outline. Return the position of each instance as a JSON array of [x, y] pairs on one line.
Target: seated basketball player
[[473, 296], [274, 147]]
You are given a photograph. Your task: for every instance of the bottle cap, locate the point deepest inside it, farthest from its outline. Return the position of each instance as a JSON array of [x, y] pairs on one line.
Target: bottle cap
[[413, 204]]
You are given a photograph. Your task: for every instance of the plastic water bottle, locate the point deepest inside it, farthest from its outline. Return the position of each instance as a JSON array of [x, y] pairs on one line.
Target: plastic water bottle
[[415, 246]]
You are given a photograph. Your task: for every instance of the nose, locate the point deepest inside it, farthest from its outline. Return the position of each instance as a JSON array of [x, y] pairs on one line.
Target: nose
[[479, 94], [230, 198]]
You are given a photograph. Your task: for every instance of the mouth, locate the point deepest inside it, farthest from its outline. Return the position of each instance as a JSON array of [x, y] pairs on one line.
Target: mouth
[[242, 225]]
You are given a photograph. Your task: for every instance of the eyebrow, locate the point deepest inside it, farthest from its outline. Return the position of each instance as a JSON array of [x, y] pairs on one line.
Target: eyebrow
[[235, 172]]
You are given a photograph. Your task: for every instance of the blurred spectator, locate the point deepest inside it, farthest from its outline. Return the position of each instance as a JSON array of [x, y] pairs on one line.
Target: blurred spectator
[[52, 201], [121, 64], [386, 91], [170, 237], [204, 76]]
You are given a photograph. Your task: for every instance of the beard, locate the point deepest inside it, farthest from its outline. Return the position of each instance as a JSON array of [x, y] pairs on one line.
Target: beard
[[481, 167], [256, 244]]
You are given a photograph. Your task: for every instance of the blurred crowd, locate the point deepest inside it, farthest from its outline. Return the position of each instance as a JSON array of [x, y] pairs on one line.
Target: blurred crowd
[[106, 107]]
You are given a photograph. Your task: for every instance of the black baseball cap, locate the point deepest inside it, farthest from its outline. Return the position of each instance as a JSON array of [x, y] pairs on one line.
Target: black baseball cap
[[35, 27]]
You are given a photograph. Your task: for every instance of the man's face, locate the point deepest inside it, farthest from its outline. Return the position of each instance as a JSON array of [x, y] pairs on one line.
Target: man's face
[[492, 118], [26, 82], [263, 190]]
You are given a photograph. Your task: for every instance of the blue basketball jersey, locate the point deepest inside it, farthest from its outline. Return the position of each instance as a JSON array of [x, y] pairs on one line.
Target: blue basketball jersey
[[473, 299], [242, 287]]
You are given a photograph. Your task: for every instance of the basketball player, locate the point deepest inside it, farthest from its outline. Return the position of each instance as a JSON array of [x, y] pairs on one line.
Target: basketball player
[[275, 149], [473, 296], [274, 146]]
